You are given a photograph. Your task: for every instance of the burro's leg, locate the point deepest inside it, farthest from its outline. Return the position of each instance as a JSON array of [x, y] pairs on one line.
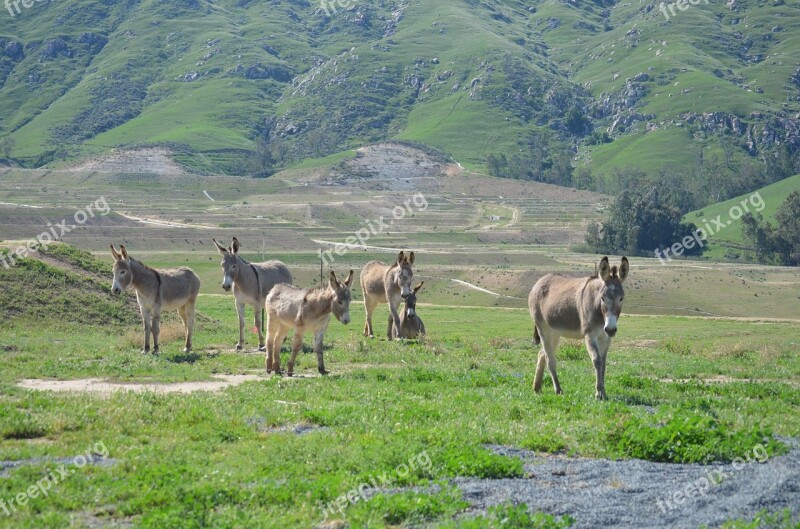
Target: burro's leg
[[257, 321], [186, 312], [273, 331], [394, 331], [319, 338], [156, 326], [547, 356], [240, 312], [146, 319], [598, 349], [297, 344], [369, 306]]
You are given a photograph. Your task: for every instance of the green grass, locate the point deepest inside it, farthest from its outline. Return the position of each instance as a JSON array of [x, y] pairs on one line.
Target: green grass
[[213, 459]]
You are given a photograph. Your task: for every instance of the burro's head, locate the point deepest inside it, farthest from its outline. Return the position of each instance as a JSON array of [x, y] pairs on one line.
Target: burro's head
[[404, 274], [411, 302], [340, 306], [122, 270], [230, 263], [612, 293]]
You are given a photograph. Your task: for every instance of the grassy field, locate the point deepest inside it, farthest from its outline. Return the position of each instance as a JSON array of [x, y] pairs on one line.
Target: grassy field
[[232, 458], [706, 352]]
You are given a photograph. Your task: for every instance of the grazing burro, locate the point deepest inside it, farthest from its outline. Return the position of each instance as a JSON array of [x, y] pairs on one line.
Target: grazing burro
[[411, 324], [382, 283], [575, 307], [305, 310], [157, 291], [251, 283]]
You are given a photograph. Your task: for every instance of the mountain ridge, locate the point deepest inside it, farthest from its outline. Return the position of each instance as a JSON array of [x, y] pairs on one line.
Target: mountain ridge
[[244, 88]]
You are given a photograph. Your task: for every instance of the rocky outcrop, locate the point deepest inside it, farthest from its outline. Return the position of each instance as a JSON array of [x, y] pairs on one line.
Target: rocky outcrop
[[278, 73], [55, 47], [765, 132], [12, 49]]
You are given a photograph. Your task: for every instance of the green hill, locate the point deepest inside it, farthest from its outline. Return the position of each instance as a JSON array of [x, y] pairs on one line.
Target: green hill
[[728, 242], [236, 86]]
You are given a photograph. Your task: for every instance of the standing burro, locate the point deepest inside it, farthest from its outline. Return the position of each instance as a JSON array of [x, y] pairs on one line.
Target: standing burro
[[577, 307], [157, 291], [251, 283], [382, 283]]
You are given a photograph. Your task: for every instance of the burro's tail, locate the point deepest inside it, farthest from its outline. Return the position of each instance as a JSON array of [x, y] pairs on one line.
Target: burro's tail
[[536, 338]]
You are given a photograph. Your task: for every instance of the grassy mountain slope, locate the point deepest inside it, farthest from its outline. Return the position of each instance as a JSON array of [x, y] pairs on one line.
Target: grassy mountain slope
[[471, 77], [729, 242]]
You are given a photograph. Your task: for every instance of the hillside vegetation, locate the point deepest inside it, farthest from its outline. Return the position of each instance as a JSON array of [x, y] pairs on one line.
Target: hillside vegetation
[[241, 87]]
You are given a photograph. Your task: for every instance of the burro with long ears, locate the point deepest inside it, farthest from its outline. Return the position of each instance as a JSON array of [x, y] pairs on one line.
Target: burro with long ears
[[251, 283], [411, 323], [382, 283], [305, 310], [577, 308], [157, 291]]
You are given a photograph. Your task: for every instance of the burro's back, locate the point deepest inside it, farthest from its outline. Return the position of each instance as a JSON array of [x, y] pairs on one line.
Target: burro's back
[[285, 301], [177, 285], [273, 273]]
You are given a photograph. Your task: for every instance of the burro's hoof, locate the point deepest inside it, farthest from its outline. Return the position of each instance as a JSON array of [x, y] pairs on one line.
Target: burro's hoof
[[187, 349], [238, 347], [145, 350], [324, 372], [262, 348]]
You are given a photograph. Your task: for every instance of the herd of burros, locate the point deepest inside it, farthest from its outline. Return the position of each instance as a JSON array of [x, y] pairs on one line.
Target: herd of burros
[[585, 308]]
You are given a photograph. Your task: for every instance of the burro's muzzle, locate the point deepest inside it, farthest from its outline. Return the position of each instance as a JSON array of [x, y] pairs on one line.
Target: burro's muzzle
[[227, 283], [611, 325]]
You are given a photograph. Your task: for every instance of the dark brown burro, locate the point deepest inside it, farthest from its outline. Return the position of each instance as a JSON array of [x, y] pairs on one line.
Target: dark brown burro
[[382, 283], [157, 291], [251, 283], [577, 308], [411, 324], [305, 310]]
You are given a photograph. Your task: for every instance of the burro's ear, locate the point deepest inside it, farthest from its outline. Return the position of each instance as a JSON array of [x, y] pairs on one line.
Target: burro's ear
[[124, 251], [605, 269], [235, 246], [401, 257], [117, 256], [221, 249], [349, 280], [416, 288], [332, 281], [411, 258], [624, 268]]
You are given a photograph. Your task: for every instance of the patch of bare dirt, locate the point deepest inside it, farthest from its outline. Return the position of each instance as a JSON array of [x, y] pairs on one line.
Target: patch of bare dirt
[[150, 160], [391, 167], [103, 387]]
